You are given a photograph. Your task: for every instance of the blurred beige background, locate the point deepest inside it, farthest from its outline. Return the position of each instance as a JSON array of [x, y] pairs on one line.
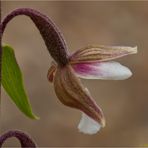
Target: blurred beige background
[[125, 103]]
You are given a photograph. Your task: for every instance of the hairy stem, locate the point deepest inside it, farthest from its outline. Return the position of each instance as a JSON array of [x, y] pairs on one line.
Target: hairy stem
[[0, 60], [51, 35], [53, 38], [23, 138]]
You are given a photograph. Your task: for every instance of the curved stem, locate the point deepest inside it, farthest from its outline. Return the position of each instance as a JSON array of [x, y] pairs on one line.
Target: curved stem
[[53, 38], [0, 60], [23, 138]]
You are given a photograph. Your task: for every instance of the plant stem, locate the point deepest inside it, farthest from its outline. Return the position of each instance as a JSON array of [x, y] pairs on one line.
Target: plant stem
[[53, 38], [23, 138], [0, 60]]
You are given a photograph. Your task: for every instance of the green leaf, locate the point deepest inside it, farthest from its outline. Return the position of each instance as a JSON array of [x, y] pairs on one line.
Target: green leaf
[[12, 82]]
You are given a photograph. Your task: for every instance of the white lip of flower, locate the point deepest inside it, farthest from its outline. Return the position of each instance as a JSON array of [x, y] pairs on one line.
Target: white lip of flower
[[88, 126], [102, 70], [88, 63]]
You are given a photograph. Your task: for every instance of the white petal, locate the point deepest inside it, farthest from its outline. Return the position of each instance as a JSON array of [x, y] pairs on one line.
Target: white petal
[[102, 70], [88, 126]]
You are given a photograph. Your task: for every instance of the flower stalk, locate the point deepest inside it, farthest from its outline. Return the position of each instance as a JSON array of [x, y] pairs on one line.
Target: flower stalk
[[52, 37], [23, 138]]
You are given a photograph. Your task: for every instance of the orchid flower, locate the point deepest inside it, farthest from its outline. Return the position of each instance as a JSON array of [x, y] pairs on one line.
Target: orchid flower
[[92, 62]]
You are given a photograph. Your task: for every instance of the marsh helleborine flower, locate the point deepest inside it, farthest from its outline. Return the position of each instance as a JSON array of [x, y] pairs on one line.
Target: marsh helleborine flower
[[92, 62]]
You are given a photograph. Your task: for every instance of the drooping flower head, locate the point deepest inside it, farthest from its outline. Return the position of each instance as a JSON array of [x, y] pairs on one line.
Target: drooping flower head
[[92, 62]]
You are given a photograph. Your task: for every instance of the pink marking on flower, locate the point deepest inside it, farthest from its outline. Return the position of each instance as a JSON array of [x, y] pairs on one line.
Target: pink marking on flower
[[87, 68], [102, 70]]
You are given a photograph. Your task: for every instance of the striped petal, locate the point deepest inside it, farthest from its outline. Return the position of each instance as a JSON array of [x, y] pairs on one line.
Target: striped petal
[[103, 70], [72, 93], [101, 53], [88, 126]]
